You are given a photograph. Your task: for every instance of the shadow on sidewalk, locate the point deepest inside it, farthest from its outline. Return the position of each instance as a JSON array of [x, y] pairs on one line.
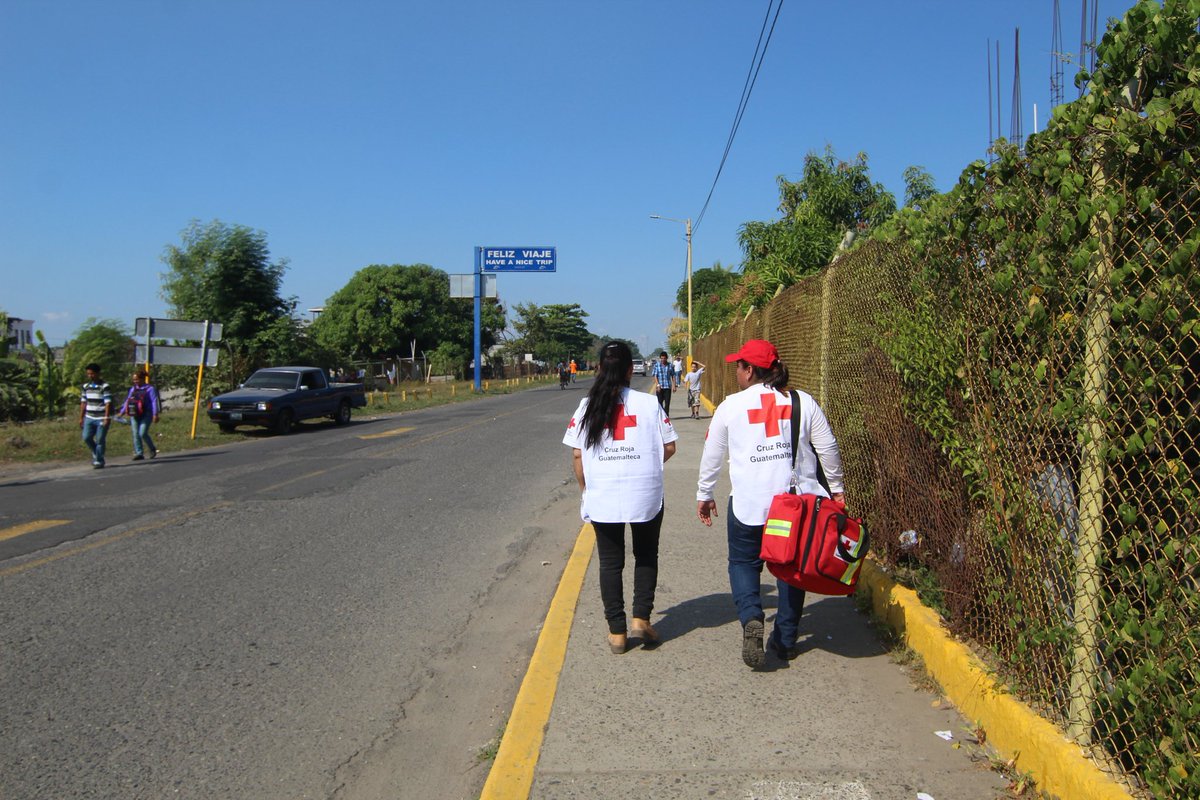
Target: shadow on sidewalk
[[832, 624]]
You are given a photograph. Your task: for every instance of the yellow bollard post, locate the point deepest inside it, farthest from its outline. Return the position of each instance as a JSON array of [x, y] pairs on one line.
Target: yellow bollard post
[[404, 395]]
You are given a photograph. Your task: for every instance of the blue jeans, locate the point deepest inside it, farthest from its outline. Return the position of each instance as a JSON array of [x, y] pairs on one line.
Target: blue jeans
[[141, 432], [94, 434], [745, 569]]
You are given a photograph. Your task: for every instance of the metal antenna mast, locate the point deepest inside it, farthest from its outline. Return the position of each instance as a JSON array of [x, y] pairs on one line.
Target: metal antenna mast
[[987, 57], [1056, 58], [1017, 130], [999, 116]]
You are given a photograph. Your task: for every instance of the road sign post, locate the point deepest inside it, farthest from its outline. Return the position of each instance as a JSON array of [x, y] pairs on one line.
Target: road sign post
[[505, 259], [178, 330]]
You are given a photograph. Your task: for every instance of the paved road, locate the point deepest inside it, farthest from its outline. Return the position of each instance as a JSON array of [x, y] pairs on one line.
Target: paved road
[[344, 612]]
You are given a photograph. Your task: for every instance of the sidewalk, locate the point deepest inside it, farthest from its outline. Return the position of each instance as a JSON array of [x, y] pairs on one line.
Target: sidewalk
[[690, 720]]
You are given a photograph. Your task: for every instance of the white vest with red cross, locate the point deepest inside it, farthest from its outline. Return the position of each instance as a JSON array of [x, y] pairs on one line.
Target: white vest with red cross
[[754, 428], [623, 472]]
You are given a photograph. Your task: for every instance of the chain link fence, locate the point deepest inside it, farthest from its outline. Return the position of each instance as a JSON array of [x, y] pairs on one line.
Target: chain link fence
[[1023, 396]]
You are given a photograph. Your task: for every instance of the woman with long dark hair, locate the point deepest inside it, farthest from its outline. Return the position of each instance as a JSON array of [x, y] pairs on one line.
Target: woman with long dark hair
[[620, 439], [753, 429]]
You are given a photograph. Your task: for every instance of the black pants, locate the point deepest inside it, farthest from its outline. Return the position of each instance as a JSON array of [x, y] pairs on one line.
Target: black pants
[[664, 400], [610, 546]]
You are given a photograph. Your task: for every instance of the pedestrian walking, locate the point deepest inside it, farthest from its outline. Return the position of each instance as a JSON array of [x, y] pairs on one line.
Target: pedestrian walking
[[141, 406], [620, 439], [574, 367], [753, 430], [692, 382], [665, 379], [95, 413]]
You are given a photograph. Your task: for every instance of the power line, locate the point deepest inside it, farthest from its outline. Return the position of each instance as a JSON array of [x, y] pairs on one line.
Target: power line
[[756, 62]]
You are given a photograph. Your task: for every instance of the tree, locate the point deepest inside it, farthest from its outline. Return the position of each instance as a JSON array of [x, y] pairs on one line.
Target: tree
[[224, 273], [449, 358], [106, 342], [17, 381], [601, 341], [711, 288], [50, 385], [554, 332], [383, 308], [17, 385], [918, 187], [833, 202]]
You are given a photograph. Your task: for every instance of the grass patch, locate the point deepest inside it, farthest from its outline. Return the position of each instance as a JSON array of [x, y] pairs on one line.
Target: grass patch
[[488, 752], [48, 441]]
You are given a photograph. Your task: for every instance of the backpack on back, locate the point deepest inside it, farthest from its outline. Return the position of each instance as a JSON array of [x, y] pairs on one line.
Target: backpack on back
[[138, 403]]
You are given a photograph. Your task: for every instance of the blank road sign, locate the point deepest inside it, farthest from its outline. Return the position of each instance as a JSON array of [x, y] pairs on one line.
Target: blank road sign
[[176, 356], [176, 329]]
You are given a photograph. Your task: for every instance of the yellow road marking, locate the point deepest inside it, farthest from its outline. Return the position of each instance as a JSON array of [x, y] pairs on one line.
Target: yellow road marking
[[511, 776], [293, 480], [394, 432], [4, 573], [30, 527]]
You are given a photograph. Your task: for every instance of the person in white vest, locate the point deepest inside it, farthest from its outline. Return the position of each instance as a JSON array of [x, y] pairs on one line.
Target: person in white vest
[[753, 428], [620, 439]]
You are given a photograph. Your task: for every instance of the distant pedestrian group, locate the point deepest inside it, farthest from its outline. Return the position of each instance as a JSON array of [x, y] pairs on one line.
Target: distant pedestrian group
[[140, 409], [620, 439]]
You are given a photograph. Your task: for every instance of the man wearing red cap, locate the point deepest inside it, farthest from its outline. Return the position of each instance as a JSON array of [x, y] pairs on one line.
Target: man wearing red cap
[[753, 428]]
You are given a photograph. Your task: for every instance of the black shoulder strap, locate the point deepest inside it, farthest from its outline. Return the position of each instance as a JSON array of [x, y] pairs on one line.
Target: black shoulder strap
[[795, 424], [796, 442]]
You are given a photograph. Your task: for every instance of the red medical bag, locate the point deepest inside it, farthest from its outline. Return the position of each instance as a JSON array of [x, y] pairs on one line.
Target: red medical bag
[[811, 542]]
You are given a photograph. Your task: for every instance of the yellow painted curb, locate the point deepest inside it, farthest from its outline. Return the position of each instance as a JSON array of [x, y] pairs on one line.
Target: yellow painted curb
[[511, 776], [708, 404], [1057, 764]]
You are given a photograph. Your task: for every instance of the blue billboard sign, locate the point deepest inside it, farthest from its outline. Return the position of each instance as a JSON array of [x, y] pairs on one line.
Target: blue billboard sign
[[519, 259]]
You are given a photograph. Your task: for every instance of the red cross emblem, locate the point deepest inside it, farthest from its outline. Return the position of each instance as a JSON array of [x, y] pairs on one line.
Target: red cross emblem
[[769, 414], [621, 422], [571, 424]]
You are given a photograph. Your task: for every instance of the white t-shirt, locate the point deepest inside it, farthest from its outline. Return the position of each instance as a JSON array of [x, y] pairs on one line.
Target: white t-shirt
[[623, 472], [754, 428], [692, 379]]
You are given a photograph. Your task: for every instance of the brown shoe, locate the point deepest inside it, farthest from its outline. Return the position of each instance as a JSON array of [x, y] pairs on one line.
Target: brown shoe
[[617, 643], [642, 629]]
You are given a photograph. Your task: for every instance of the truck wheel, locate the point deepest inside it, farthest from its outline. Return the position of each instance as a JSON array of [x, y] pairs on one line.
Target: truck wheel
[[226, 427], [343, 413], [284, 422]]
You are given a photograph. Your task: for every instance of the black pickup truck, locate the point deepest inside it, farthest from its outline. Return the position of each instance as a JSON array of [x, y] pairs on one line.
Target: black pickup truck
[[279, 397]]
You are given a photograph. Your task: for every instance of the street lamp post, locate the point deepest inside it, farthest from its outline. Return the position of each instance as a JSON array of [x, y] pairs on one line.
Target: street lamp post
[[688, 223]]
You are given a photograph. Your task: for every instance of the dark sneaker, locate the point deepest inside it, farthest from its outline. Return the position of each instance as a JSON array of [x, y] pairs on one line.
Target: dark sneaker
[[784, 653], [154, 454], [97, 465], [752, 644], [139, 457]]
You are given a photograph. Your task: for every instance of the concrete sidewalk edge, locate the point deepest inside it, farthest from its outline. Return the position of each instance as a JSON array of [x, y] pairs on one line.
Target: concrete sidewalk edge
[[511, 775], [1058, 765]]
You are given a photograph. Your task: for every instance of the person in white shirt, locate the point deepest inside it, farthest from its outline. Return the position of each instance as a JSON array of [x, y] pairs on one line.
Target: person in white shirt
[[753, 428], [692, 382], [620, 439]]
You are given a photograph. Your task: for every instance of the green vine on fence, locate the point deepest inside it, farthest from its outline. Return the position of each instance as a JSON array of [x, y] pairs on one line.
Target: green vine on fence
[[1074, 252]]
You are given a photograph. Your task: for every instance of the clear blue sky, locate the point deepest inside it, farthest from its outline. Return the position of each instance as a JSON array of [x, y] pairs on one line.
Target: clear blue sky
[[394, 131]]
